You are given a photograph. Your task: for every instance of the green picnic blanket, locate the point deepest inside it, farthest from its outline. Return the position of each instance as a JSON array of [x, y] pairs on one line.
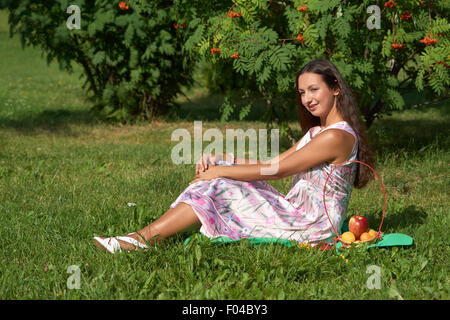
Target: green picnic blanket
[[387, 240], [252, 241]]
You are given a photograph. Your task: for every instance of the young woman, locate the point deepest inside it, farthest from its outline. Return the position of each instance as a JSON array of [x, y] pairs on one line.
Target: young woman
[[235, 201]]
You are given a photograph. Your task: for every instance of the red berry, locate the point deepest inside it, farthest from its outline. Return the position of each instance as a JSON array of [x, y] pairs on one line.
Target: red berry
[[397, 46], [215, 50], [441, 62], [235, 55], [405, 16], [233, 14], [390, 4], [300, 38], [428, 41], [123, 6]]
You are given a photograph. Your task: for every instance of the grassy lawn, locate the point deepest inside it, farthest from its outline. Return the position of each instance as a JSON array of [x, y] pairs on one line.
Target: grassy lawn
[[66, 177]]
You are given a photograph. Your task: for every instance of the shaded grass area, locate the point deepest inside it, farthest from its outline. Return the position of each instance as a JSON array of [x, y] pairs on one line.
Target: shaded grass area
[[65, 177], [36, 96]]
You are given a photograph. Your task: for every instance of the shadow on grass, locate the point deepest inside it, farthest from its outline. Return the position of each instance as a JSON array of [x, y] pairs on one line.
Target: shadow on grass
[[427, 128], [410, 217], [391, 135], [410, 130], [54, 121], [208, 108]]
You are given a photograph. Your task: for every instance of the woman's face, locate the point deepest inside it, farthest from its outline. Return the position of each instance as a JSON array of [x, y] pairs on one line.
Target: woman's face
[[315, 94]]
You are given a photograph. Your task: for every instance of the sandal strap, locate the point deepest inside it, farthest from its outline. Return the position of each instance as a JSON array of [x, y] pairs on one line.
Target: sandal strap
[[110, 244], [132, 241], [114, 245]]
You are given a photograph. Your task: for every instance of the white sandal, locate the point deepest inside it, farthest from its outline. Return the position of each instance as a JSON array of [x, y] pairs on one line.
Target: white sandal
[[112, 245]]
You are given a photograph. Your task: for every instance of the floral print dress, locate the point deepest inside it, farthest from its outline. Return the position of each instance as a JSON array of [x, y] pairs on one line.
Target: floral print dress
[[241, 209]]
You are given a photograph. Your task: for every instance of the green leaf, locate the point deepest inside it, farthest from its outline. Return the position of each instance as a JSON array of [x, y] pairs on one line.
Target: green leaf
[[99, 57], [311, 36], [128, 35], [322, 6], [245, 111], [135, 75], [167, 48], [195, 38], [265, 75], [227, 109]]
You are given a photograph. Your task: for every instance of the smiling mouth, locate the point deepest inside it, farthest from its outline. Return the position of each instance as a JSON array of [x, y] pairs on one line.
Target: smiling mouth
[[312, 107]]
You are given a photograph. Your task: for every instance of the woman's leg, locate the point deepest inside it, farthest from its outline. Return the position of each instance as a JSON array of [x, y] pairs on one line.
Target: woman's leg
[[176, 219]]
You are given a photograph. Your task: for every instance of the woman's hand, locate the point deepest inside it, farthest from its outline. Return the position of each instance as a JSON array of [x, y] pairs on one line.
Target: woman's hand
[[205, 161], [211, 173]]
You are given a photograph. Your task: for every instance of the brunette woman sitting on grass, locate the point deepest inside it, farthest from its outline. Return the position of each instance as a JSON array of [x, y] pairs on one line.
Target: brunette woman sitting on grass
[[234, 200]]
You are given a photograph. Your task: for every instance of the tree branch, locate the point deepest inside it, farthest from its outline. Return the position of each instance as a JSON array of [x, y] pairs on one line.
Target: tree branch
[[83, 61]]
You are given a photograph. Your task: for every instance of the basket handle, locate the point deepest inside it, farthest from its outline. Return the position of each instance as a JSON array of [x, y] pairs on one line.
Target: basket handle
[[338, 238]]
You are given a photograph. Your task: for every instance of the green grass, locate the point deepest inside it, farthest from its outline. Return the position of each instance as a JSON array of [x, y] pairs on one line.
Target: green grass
[[65, 177]]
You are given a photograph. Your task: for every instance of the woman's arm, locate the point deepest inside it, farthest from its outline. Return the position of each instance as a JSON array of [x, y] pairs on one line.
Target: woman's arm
[[330, 146], [282, 156], [215, 157]]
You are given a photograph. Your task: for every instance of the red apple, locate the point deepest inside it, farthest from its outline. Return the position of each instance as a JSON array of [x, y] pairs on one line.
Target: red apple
[[358, 225]]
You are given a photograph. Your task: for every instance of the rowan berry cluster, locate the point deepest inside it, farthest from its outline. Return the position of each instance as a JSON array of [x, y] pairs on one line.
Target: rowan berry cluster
[[233, 14], [176, 25], [123, 6], [443, 63], [405, 16], [235, 55], [397, 46], [302, 8], [300, 38], [428, 41], [389, 4], [215, 50]]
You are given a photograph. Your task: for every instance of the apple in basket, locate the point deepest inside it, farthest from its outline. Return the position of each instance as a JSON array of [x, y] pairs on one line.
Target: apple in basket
[[358, 225]]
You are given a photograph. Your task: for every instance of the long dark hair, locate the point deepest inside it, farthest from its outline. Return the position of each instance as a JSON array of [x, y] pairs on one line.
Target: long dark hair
[[347, 108]]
